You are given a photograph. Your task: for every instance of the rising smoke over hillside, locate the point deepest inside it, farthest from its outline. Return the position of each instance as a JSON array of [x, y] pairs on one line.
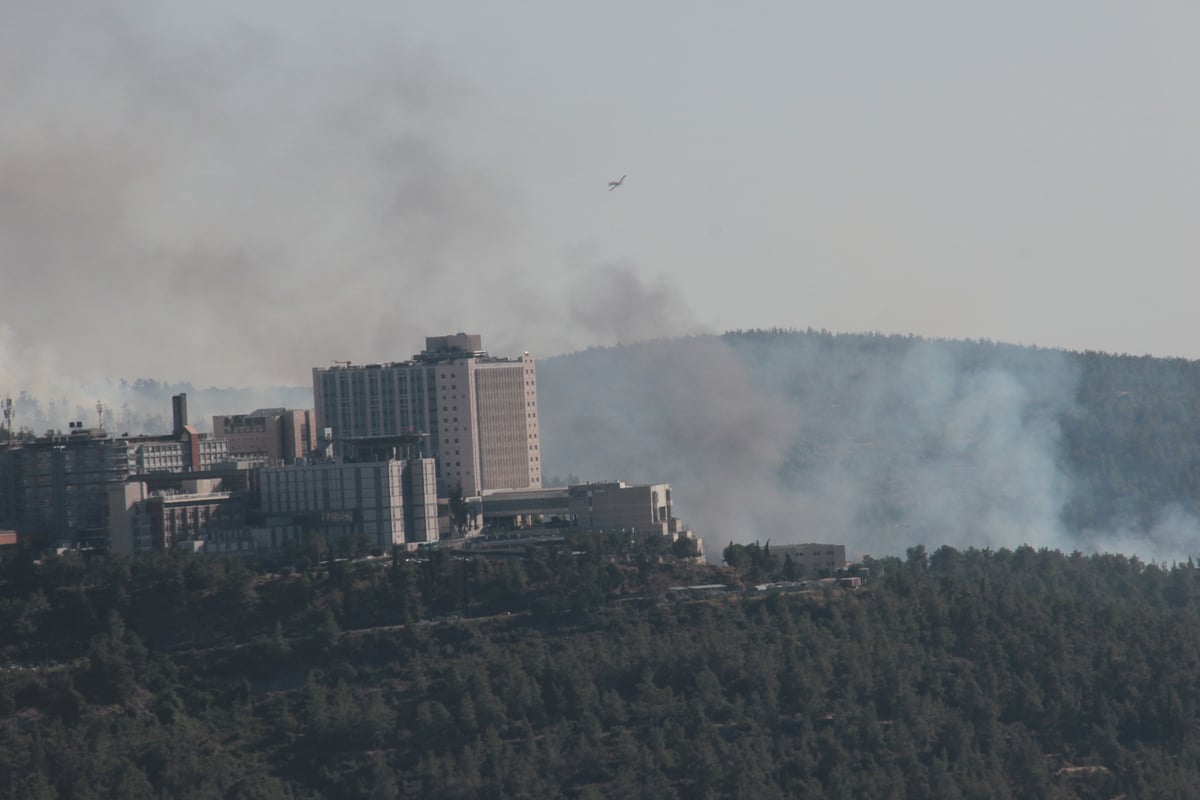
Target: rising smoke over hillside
[[878, 442], [218, 200]]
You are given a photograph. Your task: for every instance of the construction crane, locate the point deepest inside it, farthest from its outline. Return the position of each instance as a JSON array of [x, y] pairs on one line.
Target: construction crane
[[341, 363]]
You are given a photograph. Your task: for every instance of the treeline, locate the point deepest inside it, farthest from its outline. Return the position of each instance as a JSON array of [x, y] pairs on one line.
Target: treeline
[[953, 674]]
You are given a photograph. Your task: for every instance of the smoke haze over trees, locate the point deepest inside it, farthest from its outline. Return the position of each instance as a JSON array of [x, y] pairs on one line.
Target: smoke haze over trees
[[876, 441], [209, 197], [143, 406], [885, 441]]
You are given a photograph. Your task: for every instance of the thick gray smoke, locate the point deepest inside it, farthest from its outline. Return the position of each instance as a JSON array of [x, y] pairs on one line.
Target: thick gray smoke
[[686, 412], [611, 303], [223, 203], [228, 205]]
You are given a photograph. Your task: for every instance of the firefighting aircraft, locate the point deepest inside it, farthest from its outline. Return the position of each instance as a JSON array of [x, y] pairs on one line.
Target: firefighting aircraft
[[614, 184]]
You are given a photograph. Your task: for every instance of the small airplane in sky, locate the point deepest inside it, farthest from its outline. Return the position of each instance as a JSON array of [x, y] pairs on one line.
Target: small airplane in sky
[[614, 184]]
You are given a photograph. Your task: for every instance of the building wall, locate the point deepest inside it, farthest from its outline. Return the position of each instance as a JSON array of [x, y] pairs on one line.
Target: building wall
[[812, 559], [456, 434], [200, 517], [250, 435], [159, 457], [191, 452], [128, 527], [375, 399], [620, 506], [8, 489], [369, 497], [298, 433], [480, 412], [58, 486], [280, 436], [420, 501], [509, 446], [194, 520]]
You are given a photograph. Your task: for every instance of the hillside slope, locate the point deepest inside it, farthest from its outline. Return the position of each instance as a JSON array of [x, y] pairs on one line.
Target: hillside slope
[[885, 441]]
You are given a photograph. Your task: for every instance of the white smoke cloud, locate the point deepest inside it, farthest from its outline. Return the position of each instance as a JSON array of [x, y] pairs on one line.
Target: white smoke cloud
[[876, 442]]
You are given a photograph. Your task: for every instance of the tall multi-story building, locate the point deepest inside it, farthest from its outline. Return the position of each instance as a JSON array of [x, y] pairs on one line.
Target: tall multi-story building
[[479, 412], [271, 435]]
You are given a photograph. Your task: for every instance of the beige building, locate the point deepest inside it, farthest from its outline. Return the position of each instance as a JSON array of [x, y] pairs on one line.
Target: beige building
[[479, 412], [812, 560], [273, 436]]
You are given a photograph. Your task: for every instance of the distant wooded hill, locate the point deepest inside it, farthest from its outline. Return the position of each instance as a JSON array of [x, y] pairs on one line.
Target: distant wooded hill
[[883, 441]]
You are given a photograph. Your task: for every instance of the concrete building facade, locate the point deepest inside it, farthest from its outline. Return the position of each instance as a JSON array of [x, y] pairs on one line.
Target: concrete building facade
[[602, 507], [479, 412], [58, 485], [56, 488], [273, 436], [391, 502], [616, 505], [200, 515], [812, 560]]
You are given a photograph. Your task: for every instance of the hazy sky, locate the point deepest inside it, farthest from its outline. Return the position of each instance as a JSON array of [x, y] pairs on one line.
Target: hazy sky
[[225, 195]]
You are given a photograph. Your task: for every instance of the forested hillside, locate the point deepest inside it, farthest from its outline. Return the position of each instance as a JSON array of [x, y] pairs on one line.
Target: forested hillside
[[952, 674], [886, 441]]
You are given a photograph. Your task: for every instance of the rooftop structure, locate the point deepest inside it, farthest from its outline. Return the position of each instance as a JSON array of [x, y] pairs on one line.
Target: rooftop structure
[[271, 435]]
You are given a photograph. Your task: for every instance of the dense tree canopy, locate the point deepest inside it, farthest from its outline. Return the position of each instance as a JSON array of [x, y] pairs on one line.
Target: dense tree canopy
[[952, 674]]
